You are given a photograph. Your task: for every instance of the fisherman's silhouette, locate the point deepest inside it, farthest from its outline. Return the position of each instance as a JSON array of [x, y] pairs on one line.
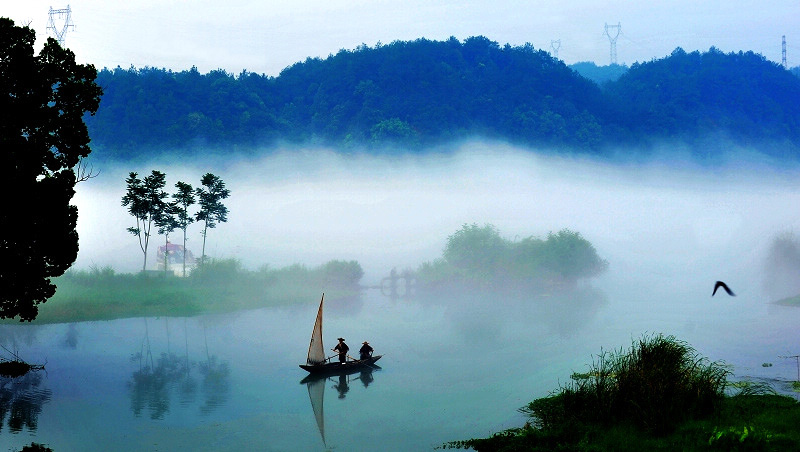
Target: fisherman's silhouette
[[724, 286], [366, 377], [343, 386]]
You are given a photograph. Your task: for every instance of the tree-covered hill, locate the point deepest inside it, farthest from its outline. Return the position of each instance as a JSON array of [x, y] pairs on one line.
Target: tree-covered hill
[[408, 95], [689, 96]]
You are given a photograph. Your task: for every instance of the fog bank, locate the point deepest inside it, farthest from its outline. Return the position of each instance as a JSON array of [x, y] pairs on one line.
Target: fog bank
[[661, 218]]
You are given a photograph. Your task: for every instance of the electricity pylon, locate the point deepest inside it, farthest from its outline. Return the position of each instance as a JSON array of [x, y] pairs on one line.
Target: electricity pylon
[[555, 45], [783, 53], [64, 14], [613, 40]]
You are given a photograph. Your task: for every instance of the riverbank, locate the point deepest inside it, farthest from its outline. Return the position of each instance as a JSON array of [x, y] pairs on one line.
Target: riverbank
[[657, 396], [223, 286]]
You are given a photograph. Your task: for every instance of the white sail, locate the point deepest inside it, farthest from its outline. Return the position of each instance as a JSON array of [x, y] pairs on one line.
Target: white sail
[[316, 352]]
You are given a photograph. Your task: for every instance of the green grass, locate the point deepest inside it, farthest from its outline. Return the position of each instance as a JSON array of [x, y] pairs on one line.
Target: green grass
[[657, 396], [222, 286]]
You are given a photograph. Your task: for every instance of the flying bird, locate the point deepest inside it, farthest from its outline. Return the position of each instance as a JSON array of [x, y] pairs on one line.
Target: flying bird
[[724, 286]]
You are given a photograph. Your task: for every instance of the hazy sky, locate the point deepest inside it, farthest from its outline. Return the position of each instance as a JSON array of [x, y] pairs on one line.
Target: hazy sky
[[265, 37]]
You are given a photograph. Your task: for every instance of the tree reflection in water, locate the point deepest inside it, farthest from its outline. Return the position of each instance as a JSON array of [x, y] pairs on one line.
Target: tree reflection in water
[[152, 386], [21, 399], [70, 340], [216, 384]]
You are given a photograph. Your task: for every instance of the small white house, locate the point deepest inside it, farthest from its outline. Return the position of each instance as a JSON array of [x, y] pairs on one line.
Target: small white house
[[174, 258]]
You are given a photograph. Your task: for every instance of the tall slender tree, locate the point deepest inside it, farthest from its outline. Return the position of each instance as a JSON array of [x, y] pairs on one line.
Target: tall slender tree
[[43, 139], [145, 201], [212, 211], [184, 199], [167, 221]]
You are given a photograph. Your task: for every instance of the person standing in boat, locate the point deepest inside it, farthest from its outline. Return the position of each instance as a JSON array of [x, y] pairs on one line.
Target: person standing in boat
[[342, 349], [366, 351]]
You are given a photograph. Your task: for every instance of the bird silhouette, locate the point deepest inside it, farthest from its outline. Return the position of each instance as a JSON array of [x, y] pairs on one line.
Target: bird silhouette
[[724, 286]]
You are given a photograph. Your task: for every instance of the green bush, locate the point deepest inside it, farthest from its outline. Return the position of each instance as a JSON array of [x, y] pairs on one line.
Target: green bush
[[479, 255]]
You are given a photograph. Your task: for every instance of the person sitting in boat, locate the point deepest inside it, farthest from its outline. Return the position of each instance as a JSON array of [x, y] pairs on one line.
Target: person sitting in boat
[[366, 351], [342, 349]]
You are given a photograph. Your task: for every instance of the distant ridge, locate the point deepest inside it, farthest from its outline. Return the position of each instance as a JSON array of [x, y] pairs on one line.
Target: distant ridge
[[408, 96]]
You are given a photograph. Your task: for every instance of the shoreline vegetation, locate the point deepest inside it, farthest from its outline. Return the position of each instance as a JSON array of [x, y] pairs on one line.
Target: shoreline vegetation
[[659, 395], [219, 286], [475, 256]]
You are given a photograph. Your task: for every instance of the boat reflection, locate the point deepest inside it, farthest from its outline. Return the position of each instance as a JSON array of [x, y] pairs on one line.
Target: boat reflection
[[342, 381]]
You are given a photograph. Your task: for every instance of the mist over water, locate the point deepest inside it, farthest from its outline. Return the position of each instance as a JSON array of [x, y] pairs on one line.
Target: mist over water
[[694, 223], [668, 229]]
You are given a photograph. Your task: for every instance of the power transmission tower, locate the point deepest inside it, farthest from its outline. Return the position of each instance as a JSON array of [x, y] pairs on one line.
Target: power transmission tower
[[555, 45], [783, 53], [613, 40], [64, 14]]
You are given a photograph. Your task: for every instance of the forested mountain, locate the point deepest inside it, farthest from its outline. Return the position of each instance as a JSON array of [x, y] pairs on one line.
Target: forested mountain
[[406, 96], [689, 96]]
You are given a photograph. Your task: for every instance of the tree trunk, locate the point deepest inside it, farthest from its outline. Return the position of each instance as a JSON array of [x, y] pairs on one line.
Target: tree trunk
[[184, 252], [203, 256], [166, 252]]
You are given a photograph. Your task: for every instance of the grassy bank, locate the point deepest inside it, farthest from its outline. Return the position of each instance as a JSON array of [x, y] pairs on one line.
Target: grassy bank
[[657, 396], [221, 286]]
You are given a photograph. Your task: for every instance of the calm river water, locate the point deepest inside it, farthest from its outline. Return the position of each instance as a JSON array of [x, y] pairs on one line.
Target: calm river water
[[452, 369]]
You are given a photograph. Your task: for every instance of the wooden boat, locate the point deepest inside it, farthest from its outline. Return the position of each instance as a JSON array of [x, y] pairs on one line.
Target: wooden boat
[[336, 368], [317, 362]]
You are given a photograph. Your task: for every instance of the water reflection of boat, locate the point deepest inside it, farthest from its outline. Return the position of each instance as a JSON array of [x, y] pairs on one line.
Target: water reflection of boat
[[316, 362], [315, 383], [364, 371]]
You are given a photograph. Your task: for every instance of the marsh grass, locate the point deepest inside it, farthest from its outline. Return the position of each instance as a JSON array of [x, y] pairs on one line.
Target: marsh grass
[[658, 396], [655, 385], [220, 286]]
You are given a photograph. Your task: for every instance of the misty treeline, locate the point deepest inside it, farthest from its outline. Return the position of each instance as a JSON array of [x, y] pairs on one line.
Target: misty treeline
[[152, 206], [409, 95], [782, 268], [220, 285], [478, 256]]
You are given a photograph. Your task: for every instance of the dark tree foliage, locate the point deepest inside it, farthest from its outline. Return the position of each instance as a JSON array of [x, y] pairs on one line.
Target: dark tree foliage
[[145, 200], [43, 99], [212, 210]]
